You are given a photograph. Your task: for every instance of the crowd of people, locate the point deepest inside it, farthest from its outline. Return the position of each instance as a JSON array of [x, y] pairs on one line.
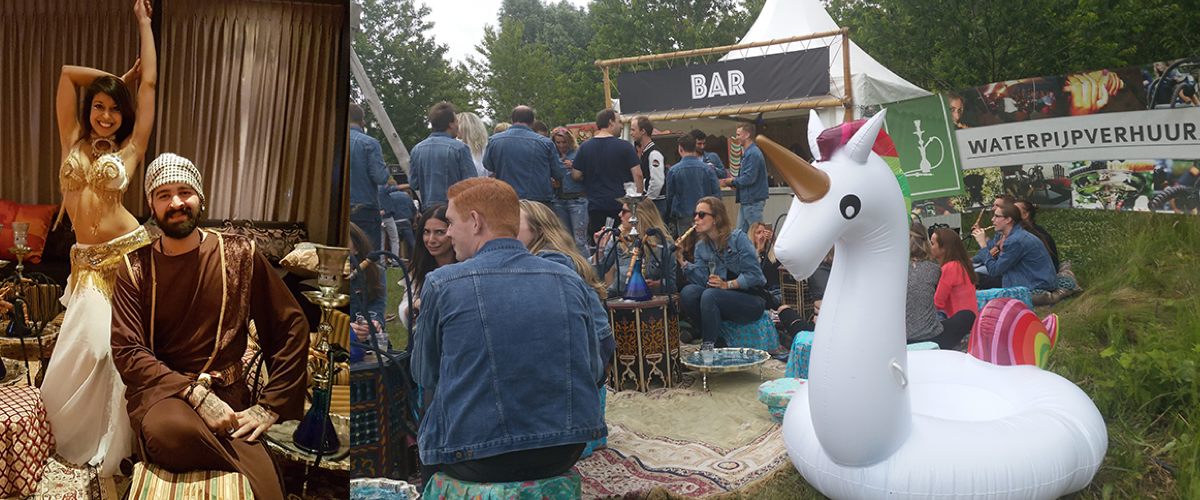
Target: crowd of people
[[520, 238], [521, 242]]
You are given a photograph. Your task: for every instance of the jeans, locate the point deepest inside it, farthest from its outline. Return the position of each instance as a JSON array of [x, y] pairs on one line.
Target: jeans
[[368, 219], [661, 203], [708, 307], [749, 213], [391, 238], [574, 215], [404, 227]]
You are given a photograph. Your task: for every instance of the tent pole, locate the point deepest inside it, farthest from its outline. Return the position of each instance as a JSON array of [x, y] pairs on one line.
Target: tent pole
[[717, 50], [848, 103], [607, 90]]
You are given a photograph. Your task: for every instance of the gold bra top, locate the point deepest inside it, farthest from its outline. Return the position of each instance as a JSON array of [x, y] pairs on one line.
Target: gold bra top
[[106, 176]]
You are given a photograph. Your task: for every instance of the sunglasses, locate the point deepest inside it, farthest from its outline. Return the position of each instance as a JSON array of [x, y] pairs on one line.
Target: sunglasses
[[701, 215], [624, 210]]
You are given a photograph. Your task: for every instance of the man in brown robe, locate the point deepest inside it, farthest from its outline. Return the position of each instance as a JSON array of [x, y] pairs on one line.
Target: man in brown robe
[[180, 312]]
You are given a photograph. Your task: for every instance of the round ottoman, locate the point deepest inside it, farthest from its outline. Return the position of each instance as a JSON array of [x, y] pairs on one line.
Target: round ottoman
[[25, 440], [777, 393]]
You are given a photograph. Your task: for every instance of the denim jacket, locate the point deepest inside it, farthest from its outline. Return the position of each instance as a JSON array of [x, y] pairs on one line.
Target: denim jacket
[[751, 181], [525, 160], [1024, 261], [714, 160], [367, 170], [570, 186], [510, 347], [738, 257], [687, 182], [437, 163]]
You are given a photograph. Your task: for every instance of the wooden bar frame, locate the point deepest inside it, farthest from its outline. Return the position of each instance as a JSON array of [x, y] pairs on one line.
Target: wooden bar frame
[[846, 102]]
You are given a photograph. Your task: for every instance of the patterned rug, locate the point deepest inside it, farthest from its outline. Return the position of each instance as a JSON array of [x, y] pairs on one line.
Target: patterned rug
[[686, 441]]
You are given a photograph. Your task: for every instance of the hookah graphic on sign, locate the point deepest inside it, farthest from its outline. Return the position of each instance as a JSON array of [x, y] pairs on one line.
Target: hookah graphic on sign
[[925, 167]]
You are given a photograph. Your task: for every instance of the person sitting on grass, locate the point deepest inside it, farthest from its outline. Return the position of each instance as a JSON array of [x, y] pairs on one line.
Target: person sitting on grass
[[1029, 219], [659, 274], [1012, 257], [921, 318], [956, 288], [434, 252]]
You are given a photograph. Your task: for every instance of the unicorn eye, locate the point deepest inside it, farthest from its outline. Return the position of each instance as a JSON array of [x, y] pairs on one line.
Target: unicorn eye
[[851, 205]]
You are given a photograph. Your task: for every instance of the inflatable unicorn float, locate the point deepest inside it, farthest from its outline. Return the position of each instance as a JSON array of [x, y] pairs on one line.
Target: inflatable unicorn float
[[875, 420]]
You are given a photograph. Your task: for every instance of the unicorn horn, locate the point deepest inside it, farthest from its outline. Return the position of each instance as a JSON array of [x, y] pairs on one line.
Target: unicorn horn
[[809, 183]]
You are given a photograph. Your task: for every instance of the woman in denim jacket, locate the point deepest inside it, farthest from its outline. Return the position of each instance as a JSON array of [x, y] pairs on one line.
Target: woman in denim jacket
[[659, 272], [725, 283]]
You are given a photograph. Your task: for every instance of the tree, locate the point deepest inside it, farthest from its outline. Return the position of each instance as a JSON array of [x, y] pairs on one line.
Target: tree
[[956, 44], [409, 71]]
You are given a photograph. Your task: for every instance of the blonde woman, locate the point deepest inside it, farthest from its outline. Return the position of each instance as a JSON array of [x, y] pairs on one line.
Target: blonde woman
[[473, 132], [570, 201], [103, 143], [542, 233], [659, 274], [725, 282]]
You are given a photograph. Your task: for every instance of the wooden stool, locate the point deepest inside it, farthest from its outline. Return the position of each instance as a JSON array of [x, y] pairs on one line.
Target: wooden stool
[[25, 440], [564, 487], [151, 482]]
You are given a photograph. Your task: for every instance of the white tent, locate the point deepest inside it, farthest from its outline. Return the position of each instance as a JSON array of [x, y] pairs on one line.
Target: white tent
[[873, 82]]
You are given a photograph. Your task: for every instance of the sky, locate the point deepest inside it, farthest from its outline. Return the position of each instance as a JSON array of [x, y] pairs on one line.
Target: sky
[[459, 24]]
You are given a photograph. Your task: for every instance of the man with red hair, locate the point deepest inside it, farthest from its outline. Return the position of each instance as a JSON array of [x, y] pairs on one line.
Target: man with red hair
[[510, 349]]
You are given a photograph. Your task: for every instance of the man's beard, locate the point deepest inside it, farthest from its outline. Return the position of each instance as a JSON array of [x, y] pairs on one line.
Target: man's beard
[[178, 230]]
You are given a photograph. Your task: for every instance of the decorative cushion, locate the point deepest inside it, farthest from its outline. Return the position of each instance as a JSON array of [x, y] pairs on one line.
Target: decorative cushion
[[25, 440], [566, 486], [151, 482], [39, 217], [1017, 292], [302, 261], [797, 364], [776, 394], [760, 334], [596, 444], [274, 239]]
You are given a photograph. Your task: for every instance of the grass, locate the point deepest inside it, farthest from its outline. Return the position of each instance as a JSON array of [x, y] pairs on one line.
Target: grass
[[395, 329], [1131, 341]]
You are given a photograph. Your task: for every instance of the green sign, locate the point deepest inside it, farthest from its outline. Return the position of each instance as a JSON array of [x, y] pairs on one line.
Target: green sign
[[924, 140]]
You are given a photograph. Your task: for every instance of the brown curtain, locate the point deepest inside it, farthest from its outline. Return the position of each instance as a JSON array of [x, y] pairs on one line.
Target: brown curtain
[[247, 89], [36, 40]]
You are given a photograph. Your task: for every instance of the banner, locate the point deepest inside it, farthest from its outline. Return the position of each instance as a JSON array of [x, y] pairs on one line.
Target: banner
[[1137, 112], [923, 133], [1160, 133], [779, 77]]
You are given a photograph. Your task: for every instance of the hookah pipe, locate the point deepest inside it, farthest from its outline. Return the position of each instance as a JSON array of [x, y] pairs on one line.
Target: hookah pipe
[[395, 359]]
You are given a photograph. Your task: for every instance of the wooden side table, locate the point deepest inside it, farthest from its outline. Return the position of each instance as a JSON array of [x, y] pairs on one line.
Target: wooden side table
[[647, 340]]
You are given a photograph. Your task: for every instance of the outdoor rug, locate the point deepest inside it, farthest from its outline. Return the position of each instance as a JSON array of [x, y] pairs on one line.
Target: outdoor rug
[[686, 441]]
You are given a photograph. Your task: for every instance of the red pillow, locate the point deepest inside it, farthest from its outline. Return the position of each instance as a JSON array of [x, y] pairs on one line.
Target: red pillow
[[8, 210], [39, 217]]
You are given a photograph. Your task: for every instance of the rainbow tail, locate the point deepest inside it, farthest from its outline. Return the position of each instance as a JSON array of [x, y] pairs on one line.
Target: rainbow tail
[[1008, 333]]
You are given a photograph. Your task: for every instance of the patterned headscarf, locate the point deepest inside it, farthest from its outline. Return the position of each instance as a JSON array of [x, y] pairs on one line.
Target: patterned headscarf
[[169, 168]]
